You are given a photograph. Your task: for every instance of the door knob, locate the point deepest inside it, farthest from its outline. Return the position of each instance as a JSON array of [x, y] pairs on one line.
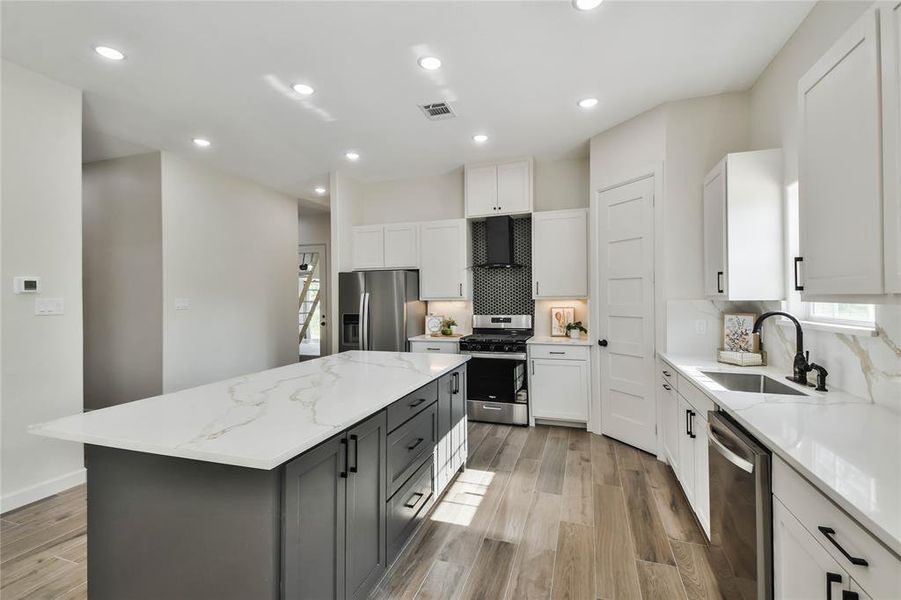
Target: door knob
[[602, 343]]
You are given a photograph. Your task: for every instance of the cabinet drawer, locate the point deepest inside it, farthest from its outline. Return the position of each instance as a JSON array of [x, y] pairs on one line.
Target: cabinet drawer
[[435, 347], [412, 404], [558, 351], [667, 373], [410, 444], [407, 507], [694, 396], [882, 577]]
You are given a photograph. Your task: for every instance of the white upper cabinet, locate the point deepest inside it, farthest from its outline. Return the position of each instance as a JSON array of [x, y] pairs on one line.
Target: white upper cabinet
[[840, 182], [393, 246], [743, 234], [401, 246], [444, 260], [890, 17], [560, 254], [369, 247], [503, 188]]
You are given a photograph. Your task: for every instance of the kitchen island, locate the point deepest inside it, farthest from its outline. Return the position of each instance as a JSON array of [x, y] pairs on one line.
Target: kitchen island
[[297, 482]]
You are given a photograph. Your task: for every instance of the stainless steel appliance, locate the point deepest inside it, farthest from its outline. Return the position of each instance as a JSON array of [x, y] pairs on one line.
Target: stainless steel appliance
[[741, 507], [379, 310], [497, 387]]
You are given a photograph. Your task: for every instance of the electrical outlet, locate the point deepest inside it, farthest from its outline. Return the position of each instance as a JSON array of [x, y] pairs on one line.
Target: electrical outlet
[[44, 307], [700, 327], [182, 303]]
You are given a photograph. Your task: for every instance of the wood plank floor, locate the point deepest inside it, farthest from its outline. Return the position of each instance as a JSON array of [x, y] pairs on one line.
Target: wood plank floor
[[548, 512], [553, 513]]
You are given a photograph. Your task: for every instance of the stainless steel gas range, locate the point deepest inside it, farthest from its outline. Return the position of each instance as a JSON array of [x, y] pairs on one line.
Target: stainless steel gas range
[[497, 386]]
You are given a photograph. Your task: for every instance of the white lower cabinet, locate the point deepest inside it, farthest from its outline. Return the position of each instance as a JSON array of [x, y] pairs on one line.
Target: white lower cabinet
[[435, 347], [685, 468], [668, 400], [559, 383]]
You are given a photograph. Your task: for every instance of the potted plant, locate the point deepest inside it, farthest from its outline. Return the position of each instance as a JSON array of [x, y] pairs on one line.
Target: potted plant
[[448, 327], [573, 330]]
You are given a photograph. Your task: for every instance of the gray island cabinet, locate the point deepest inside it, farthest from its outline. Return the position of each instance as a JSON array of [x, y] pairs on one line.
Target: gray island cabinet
[[323, 523]]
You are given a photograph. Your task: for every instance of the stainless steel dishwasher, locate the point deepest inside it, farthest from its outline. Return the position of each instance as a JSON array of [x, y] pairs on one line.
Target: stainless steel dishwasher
[[741, 508]]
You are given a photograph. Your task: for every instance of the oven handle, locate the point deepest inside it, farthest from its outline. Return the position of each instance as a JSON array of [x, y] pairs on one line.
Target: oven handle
[[499, 355], [729, 455]]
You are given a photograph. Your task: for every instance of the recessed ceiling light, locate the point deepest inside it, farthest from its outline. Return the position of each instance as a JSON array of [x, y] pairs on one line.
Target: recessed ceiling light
[[586, 4], [319, 190], [110, 53], [201, 142], [352, 155], [480, 138], [303, 89], [430, 63], [588, 102]]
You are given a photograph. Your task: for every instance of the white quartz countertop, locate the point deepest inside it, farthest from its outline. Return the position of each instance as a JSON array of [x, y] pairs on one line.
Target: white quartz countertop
[[559, 341], [427, 337], [848, 447], [260, 420]]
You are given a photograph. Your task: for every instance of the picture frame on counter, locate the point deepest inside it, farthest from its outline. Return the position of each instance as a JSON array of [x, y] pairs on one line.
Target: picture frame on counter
[[433, 324], [560, 316], [738, 333]]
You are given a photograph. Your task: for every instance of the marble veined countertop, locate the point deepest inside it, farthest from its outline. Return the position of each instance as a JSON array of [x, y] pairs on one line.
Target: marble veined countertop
[[848, 447], [427, 337], [559, 341], [260, 420]]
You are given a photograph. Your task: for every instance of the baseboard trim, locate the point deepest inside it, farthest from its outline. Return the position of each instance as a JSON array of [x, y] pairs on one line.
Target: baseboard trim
[[42, 490]]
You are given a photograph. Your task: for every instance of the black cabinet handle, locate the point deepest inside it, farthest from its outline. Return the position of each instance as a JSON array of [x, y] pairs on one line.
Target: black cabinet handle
[[416, 403], [691, 424], [829, 532], [433, 349], [798, 286], [456, 383], [344, 445], [412, 447], [356, 442], [411, 503], [667, 373], [849, 595], [556, 352], [666, 387], [687, 426], [602, 343], [831, 578], [719, 282]]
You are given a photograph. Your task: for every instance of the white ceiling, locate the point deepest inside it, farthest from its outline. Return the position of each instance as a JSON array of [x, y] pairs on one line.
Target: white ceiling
[[513, 70]]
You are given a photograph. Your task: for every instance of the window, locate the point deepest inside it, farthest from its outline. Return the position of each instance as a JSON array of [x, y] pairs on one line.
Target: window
[[843, 314]]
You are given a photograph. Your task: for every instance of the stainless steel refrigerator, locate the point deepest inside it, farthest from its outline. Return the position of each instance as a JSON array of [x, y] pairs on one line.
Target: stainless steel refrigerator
[[379, 310]]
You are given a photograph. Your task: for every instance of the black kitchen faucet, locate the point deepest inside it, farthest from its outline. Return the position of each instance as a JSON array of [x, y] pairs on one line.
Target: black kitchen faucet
[[801, 366]]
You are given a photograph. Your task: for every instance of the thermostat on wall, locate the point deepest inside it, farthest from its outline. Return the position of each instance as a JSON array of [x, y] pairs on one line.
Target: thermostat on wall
[[26, 284]]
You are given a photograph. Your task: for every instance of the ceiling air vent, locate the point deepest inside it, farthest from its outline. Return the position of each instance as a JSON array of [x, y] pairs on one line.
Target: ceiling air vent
[[437, 111]]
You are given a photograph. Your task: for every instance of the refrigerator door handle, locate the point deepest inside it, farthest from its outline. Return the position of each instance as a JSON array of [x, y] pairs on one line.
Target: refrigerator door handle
[[361, 337], [365, 317]]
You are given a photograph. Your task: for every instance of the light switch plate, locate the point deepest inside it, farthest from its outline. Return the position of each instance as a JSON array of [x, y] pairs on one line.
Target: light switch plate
[[44, 307], [700, 326], [182, 303]]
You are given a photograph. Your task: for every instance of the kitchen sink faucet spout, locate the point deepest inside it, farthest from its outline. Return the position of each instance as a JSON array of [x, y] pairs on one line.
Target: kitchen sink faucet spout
[[800, 367]]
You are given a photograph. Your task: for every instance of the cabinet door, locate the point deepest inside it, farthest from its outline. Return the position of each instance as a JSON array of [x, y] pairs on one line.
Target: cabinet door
[[559, 389], [802, 569], [366, 560], [435, 347], [840, 167], [458, 420], [369, 247], [669, 410], [481, 191], [313, 544], [442, 456], [442, 270], [560, 254], [715, 231], [401, 246], [514, 187], [891, 130], [686, 470], [701, 502]]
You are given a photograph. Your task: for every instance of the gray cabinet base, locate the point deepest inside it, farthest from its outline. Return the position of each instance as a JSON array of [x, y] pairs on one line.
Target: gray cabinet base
[[162, 527]]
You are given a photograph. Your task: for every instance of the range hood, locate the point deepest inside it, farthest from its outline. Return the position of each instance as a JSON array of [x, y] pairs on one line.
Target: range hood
[[499, 243]]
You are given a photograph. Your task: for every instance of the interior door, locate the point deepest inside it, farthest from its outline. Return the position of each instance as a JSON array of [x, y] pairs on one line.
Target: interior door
[[715, 231], [625, 226]]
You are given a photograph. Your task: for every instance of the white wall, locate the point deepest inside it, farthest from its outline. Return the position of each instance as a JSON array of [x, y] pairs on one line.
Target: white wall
[[417, 199], [314, 228], [123, 280], [346, 194], [230, 249], [561, 184], [41, 361]]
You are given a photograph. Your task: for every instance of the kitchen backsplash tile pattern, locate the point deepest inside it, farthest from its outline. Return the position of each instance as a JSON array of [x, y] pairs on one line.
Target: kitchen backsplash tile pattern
[[503, 291], [866, 366]]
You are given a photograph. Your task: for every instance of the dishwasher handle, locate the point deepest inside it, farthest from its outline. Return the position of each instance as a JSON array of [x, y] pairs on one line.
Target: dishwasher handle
[[732, 457]]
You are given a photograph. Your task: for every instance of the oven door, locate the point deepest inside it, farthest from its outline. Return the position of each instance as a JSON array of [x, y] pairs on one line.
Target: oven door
[[494, 383]]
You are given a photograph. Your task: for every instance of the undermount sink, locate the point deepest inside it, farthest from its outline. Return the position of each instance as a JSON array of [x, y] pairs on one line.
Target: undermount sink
[[752, 382]]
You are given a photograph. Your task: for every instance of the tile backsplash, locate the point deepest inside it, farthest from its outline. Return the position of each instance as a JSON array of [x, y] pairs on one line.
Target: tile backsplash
[[503, 291], [866, 366]]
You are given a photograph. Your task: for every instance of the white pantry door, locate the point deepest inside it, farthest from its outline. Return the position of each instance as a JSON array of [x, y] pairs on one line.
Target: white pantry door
[[625, 226]]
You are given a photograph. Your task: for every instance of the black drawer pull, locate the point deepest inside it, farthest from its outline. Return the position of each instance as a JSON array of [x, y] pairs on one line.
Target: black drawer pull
[[412, 446], [830, 579], [416, 403], [666, 387], [356, 441], [667, 373], [411, 503], [848, 595], [433, 349], [556, 352], [829, 532]]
